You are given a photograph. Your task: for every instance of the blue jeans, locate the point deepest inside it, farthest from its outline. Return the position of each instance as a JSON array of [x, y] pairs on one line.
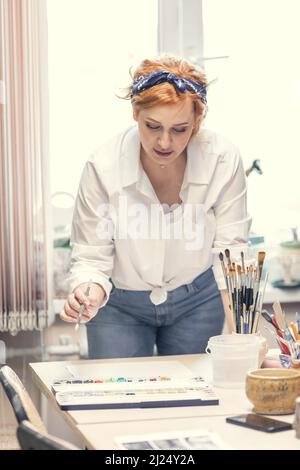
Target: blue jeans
[[130, 325]]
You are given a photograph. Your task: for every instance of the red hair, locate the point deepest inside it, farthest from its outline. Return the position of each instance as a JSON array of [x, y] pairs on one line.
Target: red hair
[[166, 93]]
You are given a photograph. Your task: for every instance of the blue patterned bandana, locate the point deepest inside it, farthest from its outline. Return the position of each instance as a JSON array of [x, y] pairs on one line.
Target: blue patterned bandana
[[159, 76]]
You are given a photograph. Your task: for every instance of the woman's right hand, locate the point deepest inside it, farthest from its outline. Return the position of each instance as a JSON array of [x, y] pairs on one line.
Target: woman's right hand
[[74, 301]]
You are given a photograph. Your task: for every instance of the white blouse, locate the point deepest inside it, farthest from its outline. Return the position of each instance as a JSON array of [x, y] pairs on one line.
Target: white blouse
[[122, 233]]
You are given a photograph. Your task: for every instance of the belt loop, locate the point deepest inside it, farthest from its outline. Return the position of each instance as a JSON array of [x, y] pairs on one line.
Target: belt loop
[[189, 287]]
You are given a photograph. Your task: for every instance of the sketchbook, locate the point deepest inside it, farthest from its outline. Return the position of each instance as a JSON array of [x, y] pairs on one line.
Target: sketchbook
[[144, 385]]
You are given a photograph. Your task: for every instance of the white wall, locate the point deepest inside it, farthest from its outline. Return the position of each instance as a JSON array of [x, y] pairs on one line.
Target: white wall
[[92, 45], [256, 100]]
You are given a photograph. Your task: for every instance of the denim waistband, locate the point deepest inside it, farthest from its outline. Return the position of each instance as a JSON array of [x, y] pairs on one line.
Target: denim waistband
[[160, 294], [199, 282]]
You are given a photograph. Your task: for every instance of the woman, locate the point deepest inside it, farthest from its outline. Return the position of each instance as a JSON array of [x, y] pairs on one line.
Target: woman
[[153, 206]]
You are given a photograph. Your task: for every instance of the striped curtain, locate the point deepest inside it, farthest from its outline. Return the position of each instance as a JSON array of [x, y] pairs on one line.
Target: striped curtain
[[25, 254]]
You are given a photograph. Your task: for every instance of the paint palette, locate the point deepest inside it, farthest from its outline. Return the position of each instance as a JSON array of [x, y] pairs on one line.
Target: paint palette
[[130, 392]]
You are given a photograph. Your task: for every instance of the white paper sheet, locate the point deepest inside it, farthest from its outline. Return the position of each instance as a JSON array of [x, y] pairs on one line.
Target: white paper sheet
[[189, 439], [144, 369]]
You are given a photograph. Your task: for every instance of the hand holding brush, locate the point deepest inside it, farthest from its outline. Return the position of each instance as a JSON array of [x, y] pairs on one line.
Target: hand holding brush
[[83, 303], [82, 308]]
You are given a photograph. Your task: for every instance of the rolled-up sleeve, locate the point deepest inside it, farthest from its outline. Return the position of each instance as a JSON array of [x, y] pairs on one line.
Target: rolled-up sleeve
[[91, 238], [232, 220]]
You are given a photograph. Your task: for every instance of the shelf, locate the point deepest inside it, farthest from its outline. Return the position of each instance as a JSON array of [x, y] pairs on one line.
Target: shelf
[[274, 294]]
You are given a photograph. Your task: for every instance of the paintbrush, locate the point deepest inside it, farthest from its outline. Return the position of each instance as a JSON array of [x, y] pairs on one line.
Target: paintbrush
[[250, 299], [243, 276], [82, 308], [240, 295], [259, 305], [234, 297], [243, 262], [270, 319], [261, 259], [260, 263], [227, 254], [221, 256], [231, 321]]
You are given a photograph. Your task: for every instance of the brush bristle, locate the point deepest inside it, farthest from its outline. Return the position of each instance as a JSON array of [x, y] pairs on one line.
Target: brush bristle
[[221, 256]]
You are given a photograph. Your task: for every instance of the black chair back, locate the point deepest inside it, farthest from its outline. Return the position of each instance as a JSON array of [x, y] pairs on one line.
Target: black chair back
[[30, 438], [19, 398]]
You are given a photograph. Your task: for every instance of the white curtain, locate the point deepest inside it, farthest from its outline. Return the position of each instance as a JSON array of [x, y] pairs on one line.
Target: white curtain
[[25, 254]]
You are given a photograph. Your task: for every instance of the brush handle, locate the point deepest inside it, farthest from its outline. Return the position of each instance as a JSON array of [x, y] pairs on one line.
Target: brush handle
[[82, 308], [240, 305], [254, 308]]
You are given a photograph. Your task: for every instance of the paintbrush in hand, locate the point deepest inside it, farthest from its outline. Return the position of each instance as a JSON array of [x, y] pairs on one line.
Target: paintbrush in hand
[[82, 308]]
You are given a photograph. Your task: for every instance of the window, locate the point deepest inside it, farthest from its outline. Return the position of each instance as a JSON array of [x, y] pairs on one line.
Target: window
[[252, 48], [92, 45]]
